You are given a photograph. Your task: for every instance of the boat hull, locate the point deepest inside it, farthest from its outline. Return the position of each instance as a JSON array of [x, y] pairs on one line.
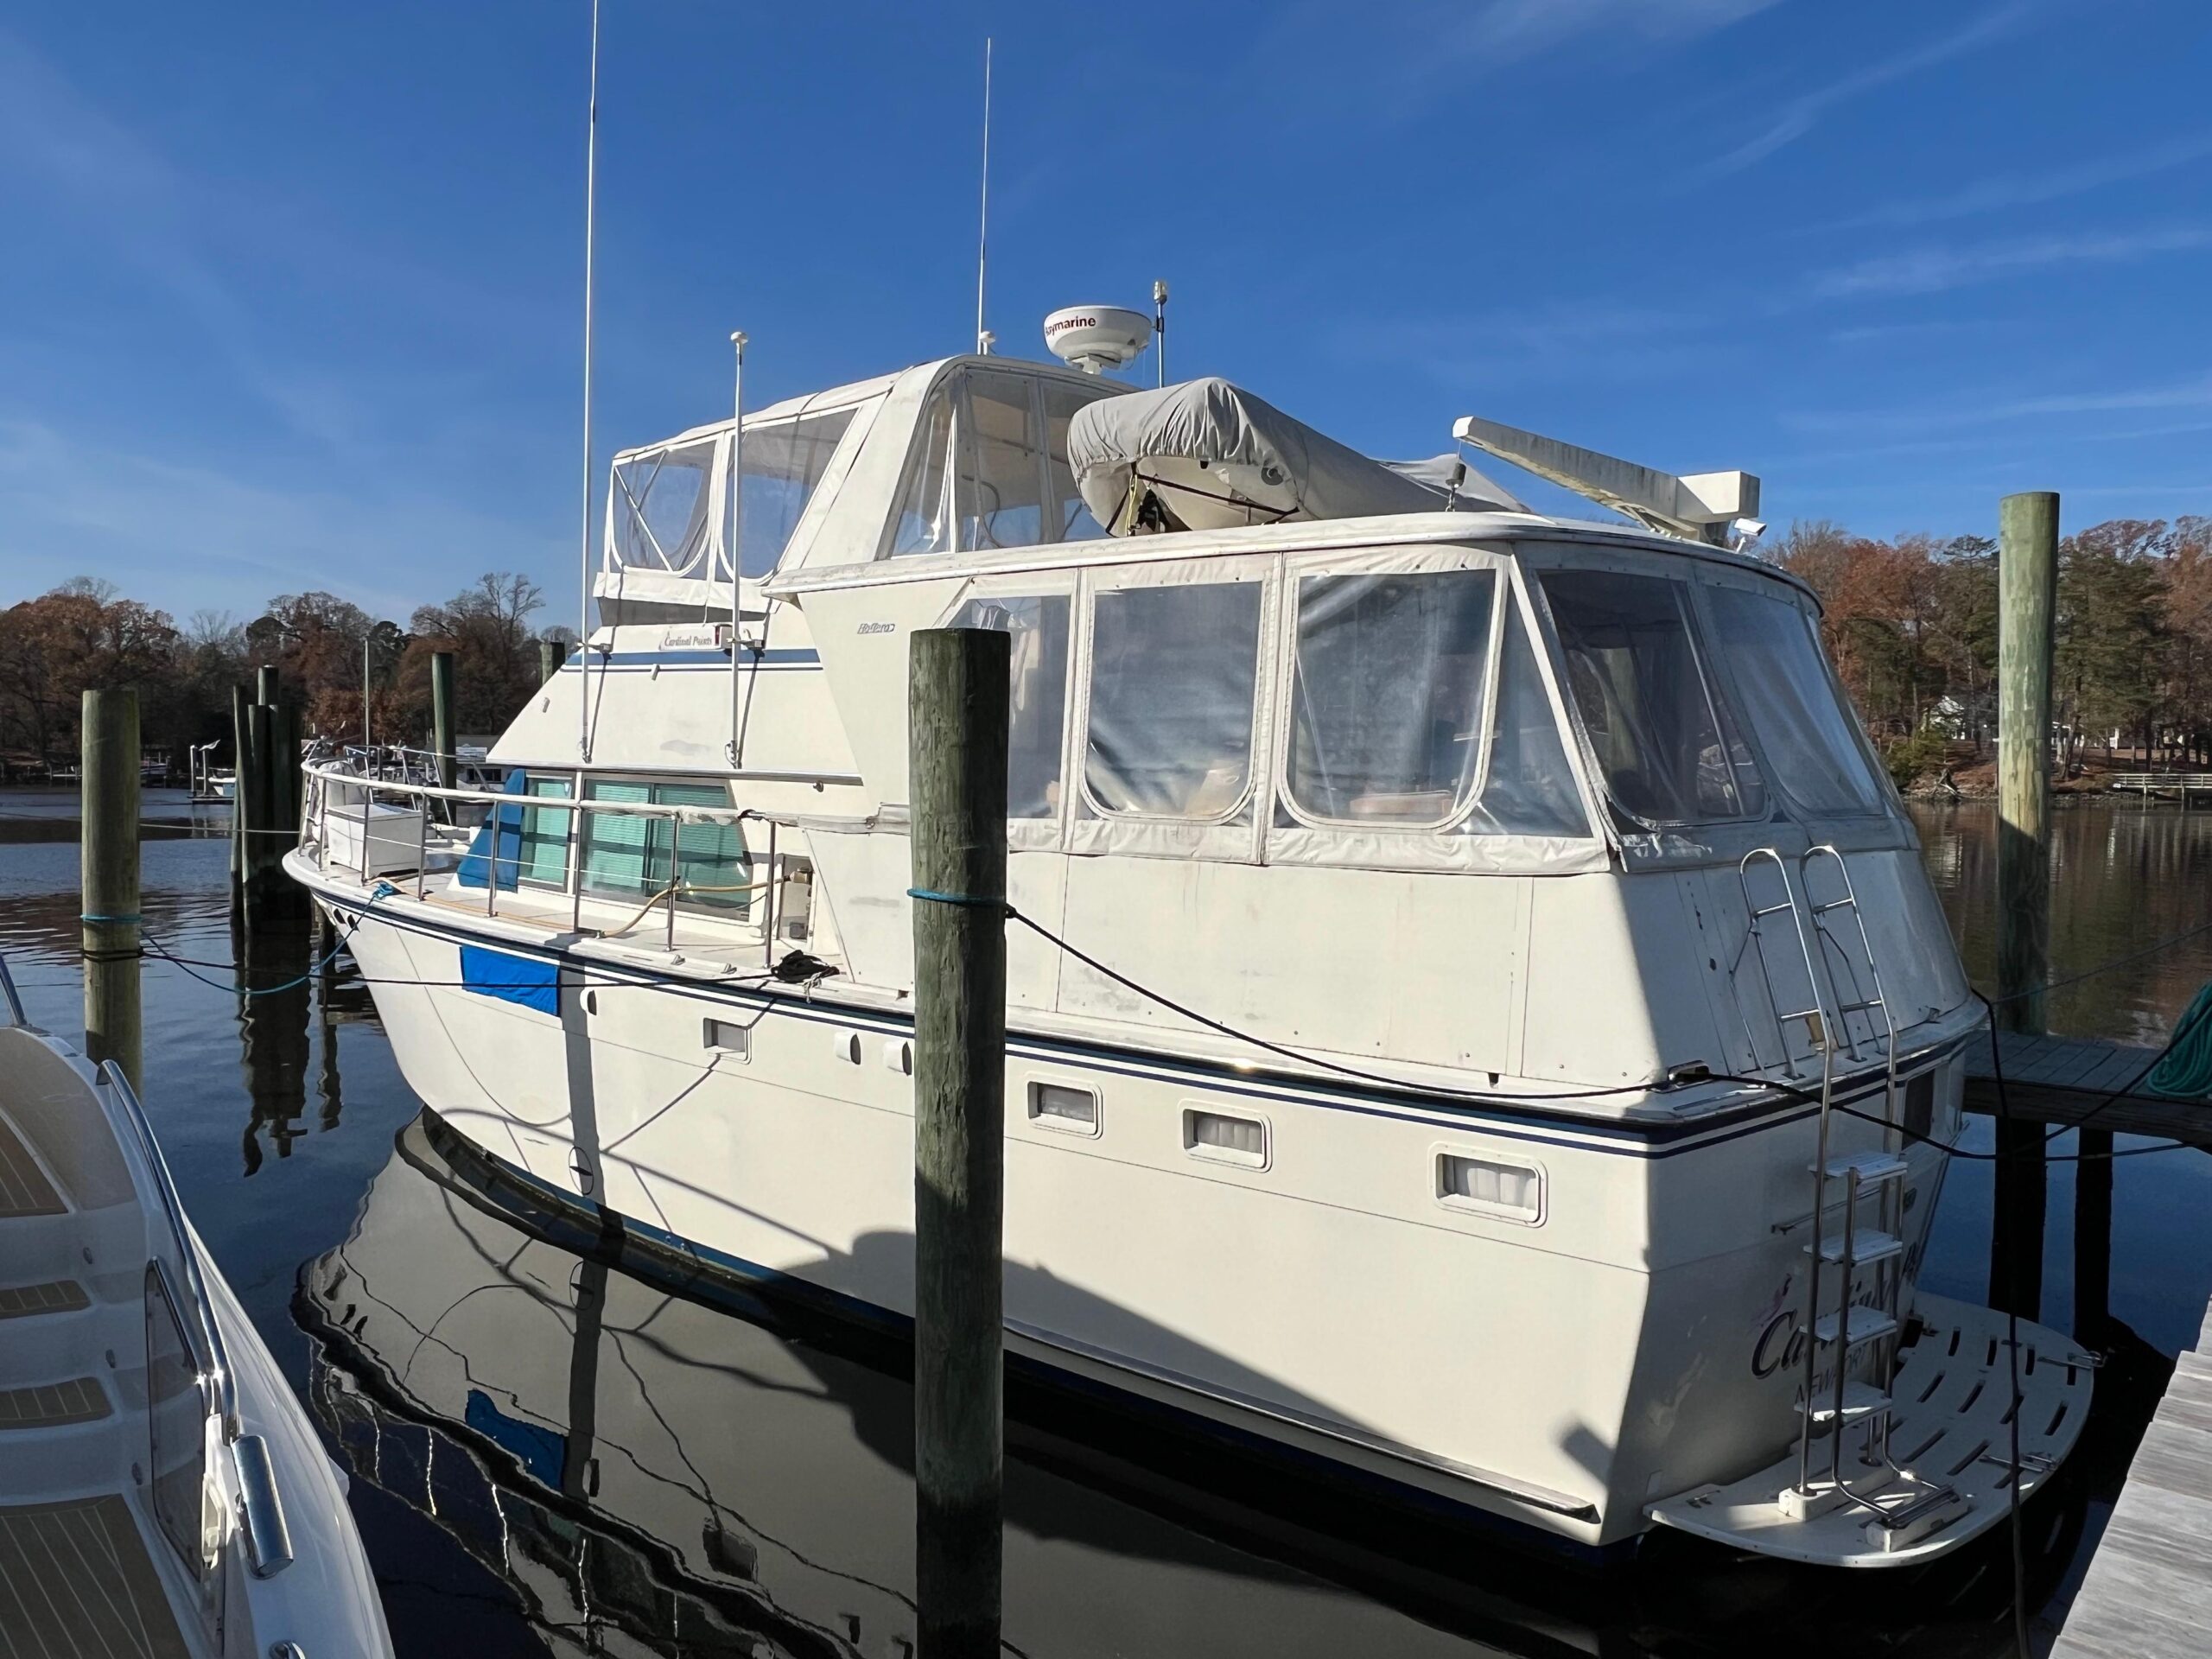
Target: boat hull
[[1635, 1345]]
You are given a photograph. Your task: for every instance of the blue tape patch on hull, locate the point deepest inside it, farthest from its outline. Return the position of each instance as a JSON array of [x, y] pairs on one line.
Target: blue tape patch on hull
[[531, 981]]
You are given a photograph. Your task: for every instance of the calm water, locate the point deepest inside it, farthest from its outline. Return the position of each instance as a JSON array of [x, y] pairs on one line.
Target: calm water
[[551, 1455]]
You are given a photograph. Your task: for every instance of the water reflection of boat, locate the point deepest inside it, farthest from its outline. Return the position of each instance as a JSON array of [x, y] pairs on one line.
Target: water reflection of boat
[[703, 1472]]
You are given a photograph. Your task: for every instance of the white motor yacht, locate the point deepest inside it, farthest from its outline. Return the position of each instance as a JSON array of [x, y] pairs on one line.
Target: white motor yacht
[[1582, 1040], [162, 1493]]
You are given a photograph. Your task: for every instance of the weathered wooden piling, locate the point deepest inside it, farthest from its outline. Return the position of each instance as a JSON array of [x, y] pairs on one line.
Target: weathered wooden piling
[[2027, 599], [109, 767], [441, 742], [958, 748], [265, 810], [549, 659]]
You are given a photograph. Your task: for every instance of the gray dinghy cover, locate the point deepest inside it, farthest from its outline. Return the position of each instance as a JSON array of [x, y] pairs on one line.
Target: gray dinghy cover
[[1217, 455]]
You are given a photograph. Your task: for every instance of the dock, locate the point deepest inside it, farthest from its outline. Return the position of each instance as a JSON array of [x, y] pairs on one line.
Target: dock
[[2056, 1080], [2148, 1594], [2161, 786]]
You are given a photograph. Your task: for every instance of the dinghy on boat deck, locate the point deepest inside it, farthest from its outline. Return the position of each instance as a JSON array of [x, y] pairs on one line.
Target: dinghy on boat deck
[[162, 1492]]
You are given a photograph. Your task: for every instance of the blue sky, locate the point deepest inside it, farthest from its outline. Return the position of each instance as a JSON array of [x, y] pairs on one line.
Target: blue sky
[[291, 294]]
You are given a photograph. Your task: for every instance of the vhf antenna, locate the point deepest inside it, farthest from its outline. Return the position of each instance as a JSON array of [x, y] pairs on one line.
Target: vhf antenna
[[983, 228], [1160, 328], [583, 537]]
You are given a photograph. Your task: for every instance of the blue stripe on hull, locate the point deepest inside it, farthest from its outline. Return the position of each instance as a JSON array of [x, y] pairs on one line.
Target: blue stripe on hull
[[1502, 1116]]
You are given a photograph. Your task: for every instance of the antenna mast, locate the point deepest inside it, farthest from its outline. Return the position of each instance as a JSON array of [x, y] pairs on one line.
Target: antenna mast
[[583, 534], [983, 229]]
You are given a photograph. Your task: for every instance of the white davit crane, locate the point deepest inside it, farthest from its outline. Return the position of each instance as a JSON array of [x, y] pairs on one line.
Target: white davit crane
[[1717, 508]]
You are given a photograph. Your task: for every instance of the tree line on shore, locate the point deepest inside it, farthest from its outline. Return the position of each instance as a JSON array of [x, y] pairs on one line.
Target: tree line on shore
[[84, 635], [1912, 626]]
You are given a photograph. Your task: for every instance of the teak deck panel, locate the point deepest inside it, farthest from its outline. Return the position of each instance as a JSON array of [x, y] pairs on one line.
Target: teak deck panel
[[2148, 1594]]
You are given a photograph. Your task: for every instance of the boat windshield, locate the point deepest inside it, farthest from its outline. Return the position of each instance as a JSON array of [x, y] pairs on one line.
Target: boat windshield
[[666, 515], [1658, 720]]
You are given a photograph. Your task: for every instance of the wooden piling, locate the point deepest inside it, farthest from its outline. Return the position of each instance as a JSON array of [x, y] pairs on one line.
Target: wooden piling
[[549, 659], [442, 715], [957, 714], [2027, 598], [108, 764], [241, 765]]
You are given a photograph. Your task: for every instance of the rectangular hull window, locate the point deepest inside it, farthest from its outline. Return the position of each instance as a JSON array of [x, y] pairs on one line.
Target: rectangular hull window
[[1225, 1139], [1172, 680], [1059, 1107], [1513, 1191]]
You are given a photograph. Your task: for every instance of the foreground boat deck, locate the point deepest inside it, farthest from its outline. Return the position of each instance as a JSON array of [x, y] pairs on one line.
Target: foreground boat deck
[[2148, 1594], [75, 1578]]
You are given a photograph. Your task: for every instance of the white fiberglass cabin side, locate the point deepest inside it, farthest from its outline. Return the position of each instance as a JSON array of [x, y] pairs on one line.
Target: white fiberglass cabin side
[[1454, 804]]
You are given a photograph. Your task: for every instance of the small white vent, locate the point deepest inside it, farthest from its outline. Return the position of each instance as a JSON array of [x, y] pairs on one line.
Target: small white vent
[[1056, 1106], [1490, 1187], [1227, 1139], [730, 1039]]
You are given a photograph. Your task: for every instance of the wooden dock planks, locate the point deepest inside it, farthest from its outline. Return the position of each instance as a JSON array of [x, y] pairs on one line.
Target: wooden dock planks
[[2056, 1080], [2148, 1594]]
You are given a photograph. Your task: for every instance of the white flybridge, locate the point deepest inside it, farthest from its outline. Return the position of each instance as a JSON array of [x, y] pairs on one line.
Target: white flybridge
[[1598, 1038]]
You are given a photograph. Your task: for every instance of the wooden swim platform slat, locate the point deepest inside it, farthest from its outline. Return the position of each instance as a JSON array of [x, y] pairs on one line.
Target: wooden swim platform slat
[[2148, 1593]]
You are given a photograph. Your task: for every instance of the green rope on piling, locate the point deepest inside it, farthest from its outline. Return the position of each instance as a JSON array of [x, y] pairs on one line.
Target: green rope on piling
[[2186, 1071]]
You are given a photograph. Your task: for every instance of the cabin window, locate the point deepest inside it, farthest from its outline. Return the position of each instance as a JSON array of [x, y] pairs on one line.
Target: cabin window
[[629, 857], [1663, 732], [783, 465], [661, 503], [1807, 736], [544, 852], [1072, 521], [1530, 788], [1389, 690], [1173, 675], [1037, 693], [1002, 437], [176, 1412]]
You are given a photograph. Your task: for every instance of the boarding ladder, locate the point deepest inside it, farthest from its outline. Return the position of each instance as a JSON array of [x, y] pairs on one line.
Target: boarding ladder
[[1828, 935]]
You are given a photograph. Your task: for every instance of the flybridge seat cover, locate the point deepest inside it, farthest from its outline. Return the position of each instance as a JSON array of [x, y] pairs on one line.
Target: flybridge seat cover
[[1205, 455]]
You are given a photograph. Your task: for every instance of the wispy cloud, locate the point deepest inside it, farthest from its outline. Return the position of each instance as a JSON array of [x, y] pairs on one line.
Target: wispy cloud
[[80, 503], [1932, 269], [1802, 113], [2193, 392], [1596, 340], [1404, 54], [2004, 190]]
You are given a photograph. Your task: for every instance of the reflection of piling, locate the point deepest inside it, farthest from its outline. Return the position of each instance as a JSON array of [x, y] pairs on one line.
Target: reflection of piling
[[958, 749], [273, 1019], [2027, 597], [109, 767]]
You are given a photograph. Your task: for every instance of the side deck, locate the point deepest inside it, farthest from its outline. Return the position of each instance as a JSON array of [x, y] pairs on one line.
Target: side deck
[[2149, 1590]]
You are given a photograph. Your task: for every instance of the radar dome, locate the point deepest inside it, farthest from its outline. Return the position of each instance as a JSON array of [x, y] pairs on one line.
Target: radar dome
[[1095, 338]]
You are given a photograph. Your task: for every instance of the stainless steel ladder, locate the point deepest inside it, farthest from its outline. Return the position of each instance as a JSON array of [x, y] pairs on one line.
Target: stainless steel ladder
[[1849, 1326]]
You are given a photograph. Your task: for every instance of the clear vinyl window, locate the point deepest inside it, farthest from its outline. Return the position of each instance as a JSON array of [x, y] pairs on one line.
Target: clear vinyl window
[[1806, 732], [1389, 695], [782, 466], [1669, 746], [1037, 693], [1173, 671]]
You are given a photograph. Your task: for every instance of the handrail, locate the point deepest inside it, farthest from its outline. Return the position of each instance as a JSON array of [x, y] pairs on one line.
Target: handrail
[[17, 1017], [550, 803], [217, 1355]]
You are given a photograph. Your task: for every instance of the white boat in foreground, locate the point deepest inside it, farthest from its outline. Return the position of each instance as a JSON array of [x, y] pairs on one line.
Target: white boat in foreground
[[162, 1491], [1598, 1038]]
